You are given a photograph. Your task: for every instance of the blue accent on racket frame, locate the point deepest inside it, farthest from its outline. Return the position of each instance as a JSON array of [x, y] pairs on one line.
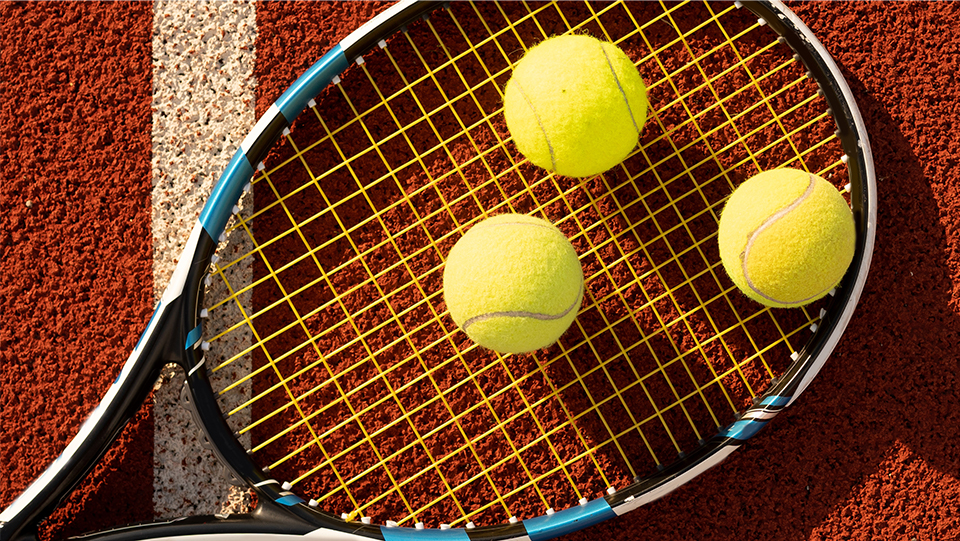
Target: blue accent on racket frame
[[289, 499], [413, 534], [743, 430], [315, 79], [568, 520], [747, 428], [227, 192], [225, 195], [775, 401], [193, 337], [149, 323]]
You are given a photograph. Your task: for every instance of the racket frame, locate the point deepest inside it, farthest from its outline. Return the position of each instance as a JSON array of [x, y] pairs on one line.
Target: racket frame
[[174, 336]]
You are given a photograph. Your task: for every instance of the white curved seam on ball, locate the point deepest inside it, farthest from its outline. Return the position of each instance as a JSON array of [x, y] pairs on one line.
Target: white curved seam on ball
[[766, 224], [522, 313], [550, 228], [543, 129], [620, 88]]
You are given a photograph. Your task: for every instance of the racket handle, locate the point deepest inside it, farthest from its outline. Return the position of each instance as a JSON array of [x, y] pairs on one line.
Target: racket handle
[[266, 523]]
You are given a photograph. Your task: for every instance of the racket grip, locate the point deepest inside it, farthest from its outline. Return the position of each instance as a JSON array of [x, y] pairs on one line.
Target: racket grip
[[257, 526], [266, 523]]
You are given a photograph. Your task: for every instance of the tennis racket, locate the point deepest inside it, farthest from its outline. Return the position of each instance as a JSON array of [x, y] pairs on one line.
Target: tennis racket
[[308, 315]]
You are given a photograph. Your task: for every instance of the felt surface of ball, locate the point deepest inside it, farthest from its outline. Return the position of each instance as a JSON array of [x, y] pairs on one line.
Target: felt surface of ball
[[513, 283], [786, 237], [575, 105]]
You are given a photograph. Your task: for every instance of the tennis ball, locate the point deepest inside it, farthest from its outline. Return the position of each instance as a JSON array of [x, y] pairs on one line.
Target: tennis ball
[[513, 283], [786, 237], [575, 105]]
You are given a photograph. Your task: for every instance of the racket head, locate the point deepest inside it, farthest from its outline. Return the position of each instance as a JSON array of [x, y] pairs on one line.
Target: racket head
[[658, 309], [489, 177]]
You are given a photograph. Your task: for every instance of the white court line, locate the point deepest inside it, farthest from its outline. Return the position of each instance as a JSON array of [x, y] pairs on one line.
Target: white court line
[[203, 105]]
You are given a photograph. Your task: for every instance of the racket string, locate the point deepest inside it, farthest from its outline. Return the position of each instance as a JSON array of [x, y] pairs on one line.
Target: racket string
[[657, 277], [432, 242], [368, 350], [369, 354]]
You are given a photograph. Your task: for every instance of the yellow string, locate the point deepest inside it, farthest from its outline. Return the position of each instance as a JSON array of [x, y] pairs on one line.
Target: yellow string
[[676, 325]]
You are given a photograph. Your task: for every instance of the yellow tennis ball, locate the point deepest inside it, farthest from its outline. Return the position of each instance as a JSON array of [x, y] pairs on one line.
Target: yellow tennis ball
[[575, 105], [786, 237], [513, 283]]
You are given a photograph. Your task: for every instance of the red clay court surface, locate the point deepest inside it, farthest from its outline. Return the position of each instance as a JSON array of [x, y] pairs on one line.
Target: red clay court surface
[[870, 452]]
